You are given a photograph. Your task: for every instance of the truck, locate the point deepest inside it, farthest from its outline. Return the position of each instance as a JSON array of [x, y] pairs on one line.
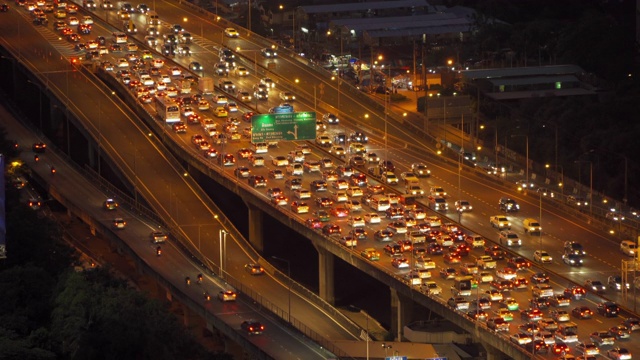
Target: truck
[[205, 85], [461, 286], [486, 262], [184, 86]]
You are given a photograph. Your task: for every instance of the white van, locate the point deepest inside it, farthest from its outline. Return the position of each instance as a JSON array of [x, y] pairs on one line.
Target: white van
[[119, 37], [152, 18]]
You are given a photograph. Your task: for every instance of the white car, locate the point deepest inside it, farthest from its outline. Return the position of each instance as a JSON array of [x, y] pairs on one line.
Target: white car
[[354, 191], [88, 20], [353, 205], [302, 193], [542, 256], [73, 21], [372, 218], [356, 221], [506, 273], [231, 32]]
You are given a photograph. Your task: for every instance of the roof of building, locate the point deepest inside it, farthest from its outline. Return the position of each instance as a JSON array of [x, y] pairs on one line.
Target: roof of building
[[361, 6], [533, 80], [513, 95], [520, 72]]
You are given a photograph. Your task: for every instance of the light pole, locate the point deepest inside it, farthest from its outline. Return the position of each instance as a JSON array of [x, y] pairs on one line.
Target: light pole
[[527, 156], [386, 349], [289, 278], [223, 248], [590, 183]]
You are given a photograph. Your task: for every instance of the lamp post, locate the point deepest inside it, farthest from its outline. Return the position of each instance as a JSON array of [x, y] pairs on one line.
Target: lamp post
[[590, 183], [289, 278], [223, 248], [527, 156], [626, 172], [386, 349]]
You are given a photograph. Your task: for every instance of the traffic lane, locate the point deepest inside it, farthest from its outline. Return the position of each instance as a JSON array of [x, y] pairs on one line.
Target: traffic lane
[[194, 232], [172, 264], [557, 228], [150, 247]]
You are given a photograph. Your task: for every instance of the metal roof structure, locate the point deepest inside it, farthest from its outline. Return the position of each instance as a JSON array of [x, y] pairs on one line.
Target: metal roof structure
[[363, 6], [520, 72]]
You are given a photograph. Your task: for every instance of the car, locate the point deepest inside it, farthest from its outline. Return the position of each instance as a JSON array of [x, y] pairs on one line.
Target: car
[[620, 331], [508, 205], [231, 32], [548, 324], [119, 223], [520, 338], [518, 263], [575, 292], [628, 247], [495, 252], [560, 300], [505, 314], [372, 218], [602, 338], [588, 348], [459, 303], [356, 221], [321, 214], [448, 273], [618, 353], [582, 312], [542, 256], [242, 71], [195, 66], [370, 254], [509, 238], [500, 222], [227, 295], [540, 278], [608, 309], [269, 52], [560, 315], [299, 207], [39, 147], [110, 204], [330, 119], [287, 96], [254, 269], [595, 286], [383, 235], [531, 314], [252, 327], [158, 237], [575, 248], [506, 273], [632, 323], [572, 259], [330, 229]]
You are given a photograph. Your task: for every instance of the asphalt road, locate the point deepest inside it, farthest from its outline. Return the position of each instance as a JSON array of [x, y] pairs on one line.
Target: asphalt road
[[165, 188], [483, 194]]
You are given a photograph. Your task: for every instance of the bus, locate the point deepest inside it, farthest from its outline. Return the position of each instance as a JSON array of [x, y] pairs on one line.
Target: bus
[[167, 109]]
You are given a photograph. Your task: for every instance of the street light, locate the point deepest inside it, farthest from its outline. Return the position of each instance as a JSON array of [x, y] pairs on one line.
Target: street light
[[590, 183], [386, 349], [289, 276], [223, 249], [527, 157]]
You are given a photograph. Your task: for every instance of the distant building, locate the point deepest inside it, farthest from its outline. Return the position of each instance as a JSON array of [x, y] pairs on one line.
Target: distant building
[[528, 82]]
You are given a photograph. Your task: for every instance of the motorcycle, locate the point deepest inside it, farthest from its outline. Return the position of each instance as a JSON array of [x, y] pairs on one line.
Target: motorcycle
[[36, 158], [199, 278], [188, 280], [158, 251], [53, 170]]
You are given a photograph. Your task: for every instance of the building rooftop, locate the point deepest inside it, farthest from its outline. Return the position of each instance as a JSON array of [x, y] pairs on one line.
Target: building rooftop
[[363, 6]]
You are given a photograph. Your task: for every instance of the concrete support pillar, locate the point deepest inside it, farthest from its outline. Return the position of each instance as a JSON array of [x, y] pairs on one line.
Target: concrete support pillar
[[401, 312], [326, 270], [186, 314], [492, 353], [92, 154], [255, 228]]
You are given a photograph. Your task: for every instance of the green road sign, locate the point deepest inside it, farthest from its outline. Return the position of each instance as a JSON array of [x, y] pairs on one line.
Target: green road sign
[[279, 127]]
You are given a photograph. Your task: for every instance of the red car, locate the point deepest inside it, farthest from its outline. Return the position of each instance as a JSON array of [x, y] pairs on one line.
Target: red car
[[314, 223]]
